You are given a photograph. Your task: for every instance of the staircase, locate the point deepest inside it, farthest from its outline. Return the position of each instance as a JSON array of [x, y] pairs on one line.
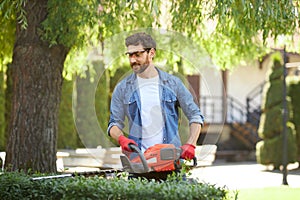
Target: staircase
[[246, 133], [243, 119], [243, 125]]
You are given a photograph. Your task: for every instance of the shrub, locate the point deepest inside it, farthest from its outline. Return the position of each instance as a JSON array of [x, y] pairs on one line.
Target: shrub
[[269, 151], [19, 186], [294, 88]]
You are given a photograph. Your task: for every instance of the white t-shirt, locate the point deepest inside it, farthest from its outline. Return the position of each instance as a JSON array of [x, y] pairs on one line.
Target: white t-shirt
[[151, 113]]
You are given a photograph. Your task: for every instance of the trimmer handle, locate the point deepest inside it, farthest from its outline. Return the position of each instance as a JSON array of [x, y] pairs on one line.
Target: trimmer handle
[[137, 150], [194, 162]]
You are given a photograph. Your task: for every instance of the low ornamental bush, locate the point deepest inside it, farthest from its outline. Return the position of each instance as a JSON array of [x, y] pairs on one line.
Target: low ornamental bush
[[20, 186]]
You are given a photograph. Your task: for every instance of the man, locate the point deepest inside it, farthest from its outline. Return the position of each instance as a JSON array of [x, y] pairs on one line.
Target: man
[[150, 98]]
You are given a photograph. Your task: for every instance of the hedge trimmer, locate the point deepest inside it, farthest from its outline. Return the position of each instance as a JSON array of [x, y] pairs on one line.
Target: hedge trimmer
[[155, 163]]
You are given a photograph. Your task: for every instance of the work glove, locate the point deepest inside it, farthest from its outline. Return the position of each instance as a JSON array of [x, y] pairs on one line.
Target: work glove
[[188, 151], [124, 143]]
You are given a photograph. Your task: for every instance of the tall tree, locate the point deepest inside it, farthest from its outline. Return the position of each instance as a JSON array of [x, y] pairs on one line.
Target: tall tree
[[37, 80], [46, 33]]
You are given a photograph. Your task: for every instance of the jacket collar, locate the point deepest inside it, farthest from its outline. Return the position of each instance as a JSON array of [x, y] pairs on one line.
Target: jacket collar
[[162, 76]]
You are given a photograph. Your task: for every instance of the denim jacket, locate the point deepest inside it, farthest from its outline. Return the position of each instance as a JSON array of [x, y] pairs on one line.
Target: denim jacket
[[126, 103]]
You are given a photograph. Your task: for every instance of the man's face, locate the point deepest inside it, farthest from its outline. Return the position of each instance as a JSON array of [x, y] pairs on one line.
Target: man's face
[[138, 58]]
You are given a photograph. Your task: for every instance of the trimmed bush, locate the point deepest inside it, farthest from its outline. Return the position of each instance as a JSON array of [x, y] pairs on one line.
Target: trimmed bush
[[269, 151], [269, 119], [294, 88], [273, 94], [19, 186]]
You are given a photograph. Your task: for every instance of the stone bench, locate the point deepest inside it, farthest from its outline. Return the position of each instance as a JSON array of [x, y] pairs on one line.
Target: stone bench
[[90, 159], [2, 159], [205, 154]]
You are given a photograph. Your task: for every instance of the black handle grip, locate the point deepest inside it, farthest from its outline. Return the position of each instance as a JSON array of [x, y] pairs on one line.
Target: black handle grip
[[194, 162]]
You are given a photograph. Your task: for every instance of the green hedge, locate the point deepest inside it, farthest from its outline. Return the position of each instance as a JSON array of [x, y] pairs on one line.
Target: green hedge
[[19, 186], [273, 94], [294, 88], [269, 151], [271, 123]]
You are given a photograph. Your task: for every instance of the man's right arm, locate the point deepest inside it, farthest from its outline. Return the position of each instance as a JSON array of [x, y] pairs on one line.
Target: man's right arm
[[124, 142], [115, 132]]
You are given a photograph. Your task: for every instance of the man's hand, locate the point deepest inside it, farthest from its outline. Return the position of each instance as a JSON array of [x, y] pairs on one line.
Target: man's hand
[[188, 151], [124, 143]]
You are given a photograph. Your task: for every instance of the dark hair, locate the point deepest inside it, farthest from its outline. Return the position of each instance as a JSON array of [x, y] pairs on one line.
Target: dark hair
[[141, 38]]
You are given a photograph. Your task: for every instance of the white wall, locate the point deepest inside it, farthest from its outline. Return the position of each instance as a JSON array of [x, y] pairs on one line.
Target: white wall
[[242, 80], [211, 85]]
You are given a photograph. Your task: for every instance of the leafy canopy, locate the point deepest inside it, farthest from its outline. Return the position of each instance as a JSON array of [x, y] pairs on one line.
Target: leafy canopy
[[231, 31]]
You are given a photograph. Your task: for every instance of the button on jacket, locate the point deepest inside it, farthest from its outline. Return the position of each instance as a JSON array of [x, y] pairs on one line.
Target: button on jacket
[[126, 103]]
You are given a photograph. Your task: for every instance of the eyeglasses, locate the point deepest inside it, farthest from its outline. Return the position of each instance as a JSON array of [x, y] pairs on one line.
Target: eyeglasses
[[137, 53]]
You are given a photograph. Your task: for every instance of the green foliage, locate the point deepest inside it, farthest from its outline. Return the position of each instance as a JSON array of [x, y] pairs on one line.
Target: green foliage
[[2, 112], [92, 98], [88, 24], [90, 105], [68, 21], [19, 186], [274, 193], [273, 95], [10, 8], [269, 151], [190, 12], [240, 27], [102, 105], [271, 123], [7, 33], [67, 134], [294, 88], [245, 25], [272, 19]]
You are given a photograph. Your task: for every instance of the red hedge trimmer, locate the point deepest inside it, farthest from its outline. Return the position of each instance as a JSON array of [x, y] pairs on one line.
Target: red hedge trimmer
[[155, 163]]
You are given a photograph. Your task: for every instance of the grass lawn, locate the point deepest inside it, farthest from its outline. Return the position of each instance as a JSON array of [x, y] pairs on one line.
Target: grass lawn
[[274, 193]]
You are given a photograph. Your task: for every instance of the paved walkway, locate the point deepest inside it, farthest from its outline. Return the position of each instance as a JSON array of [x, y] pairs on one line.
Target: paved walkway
[[238, 175]]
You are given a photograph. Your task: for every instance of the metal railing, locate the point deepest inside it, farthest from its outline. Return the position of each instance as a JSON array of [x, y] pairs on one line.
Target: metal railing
[[253, 104], [215, 110], [232, 111]]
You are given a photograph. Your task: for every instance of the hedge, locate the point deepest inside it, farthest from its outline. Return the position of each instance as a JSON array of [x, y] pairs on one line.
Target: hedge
[[19, 186], [269, 151], [294, 88]]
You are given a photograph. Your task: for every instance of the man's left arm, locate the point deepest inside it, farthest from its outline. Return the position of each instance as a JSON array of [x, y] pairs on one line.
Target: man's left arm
[[195, 117], [195, 129], [188, 149]]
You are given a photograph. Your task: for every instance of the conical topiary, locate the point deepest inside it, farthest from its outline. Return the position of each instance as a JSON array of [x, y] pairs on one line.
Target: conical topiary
[[269, 150]]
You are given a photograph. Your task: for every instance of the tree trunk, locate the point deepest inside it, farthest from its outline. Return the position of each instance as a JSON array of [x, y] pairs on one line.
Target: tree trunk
[[37, 81]]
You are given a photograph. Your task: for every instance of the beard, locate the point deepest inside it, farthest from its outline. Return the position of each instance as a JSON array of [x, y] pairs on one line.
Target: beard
[[139, 68]]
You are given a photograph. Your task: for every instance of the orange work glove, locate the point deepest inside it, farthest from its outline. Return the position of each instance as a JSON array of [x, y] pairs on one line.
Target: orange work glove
[[188, 151], [124, 143]]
